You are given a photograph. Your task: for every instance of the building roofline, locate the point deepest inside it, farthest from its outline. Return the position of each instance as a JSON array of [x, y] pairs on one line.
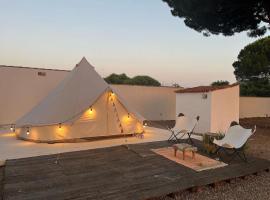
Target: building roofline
[[64, 70], [35, 68], [203, 89], [162, 86]]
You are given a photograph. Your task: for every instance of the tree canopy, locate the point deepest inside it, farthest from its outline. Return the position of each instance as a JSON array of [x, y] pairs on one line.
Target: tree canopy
[[117, 79], [253, 62], [252, 68], [220, 83], [223, 16], [176, 85], [137, 80], [255, 88]]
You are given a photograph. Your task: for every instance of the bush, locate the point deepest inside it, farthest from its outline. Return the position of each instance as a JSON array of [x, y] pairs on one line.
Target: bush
[[137, 80], [117, 79], [220, 83], [255, 88], [208, 144]]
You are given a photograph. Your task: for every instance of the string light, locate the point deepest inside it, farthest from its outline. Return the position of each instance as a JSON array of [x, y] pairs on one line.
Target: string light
[[28, 131], [111, 95], [12, 128], [115, 112], [144, 125], [91, 110]]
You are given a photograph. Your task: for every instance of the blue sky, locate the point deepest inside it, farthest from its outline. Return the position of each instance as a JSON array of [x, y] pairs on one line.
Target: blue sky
[[132, 36]]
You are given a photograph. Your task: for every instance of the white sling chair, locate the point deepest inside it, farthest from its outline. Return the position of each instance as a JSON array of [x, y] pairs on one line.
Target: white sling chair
[[183, 126], [234, 141]]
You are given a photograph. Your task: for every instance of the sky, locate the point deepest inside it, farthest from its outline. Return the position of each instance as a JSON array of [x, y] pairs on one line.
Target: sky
[[136, 37]]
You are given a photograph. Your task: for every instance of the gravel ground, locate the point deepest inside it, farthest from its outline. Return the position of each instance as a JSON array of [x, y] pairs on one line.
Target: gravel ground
[[252, 187], [259, 144]]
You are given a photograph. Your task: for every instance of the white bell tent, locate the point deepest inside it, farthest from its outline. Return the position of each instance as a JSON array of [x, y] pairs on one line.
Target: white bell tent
[[83, 105]]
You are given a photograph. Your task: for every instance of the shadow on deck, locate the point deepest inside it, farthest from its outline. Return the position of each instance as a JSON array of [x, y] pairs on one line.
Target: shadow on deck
[[122, 172]]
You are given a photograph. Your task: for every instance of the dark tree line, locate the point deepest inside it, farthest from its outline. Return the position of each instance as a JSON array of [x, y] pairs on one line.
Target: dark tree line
[[223, 16], [252, 68], [220, 83], [137, 80], [227, 17]]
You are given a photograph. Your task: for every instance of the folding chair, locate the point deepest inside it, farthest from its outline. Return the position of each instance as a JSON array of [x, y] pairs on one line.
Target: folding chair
[[183, 126], [234, 142]]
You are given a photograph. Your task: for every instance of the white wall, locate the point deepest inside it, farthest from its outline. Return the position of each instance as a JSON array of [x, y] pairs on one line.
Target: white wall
[[153, 103], [254, 107], [216, 112], [192, 105], [22, 88], [224, 108]]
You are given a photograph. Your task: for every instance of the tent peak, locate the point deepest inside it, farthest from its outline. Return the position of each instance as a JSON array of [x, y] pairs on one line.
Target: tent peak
[[83, 62]]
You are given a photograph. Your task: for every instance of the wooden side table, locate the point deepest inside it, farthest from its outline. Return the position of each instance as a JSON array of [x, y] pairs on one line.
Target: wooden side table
[[184, 147]]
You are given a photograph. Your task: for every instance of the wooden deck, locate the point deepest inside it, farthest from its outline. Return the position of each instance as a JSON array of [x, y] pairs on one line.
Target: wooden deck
[[123, 172]]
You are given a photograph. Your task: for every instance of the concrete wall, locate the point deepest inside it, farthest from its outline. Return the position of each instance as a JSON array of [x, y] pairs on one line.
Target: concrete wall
[[153, 103], [216, 112], [224, 108], [254, 107], [22, 88], [192, 105]]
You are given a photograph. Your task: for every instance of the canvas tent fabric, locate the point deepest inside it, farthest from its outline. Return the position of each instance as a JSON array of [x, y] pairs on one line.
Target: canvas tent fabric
[[83, 105]]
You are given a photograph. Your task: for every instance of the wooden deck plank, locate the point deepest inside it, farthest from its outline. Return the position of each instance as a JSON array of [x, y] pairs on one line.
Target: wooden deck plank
[[1, 181], [111, 173]]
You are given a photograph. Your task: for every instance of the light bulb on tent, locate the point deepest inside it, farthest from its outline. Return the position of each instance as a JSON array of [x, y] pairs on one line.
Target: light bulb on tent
[[28, 131], [60, 126], [144, 124], [111, 97], [11, 128], [91, 110]]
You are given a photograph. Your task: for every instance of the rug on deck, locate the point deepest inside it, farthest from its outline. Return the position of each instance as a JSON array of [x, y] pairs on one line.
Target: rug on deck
[[199, 163]]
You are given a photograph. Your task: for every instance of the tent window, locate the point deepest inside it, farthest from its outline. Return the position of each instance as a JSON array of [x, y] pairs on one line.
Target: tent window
[[41, 73]]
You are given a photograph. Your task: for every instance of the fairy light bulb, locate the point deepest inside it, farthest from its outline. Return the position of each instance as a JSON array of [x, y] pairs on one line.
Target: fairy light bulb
[[145, 124], [90, 110]]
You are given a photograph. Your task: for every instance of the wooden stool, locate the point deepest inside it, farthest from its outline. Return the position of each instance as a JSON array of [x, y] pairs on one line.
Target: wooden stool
[[184, 147]]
